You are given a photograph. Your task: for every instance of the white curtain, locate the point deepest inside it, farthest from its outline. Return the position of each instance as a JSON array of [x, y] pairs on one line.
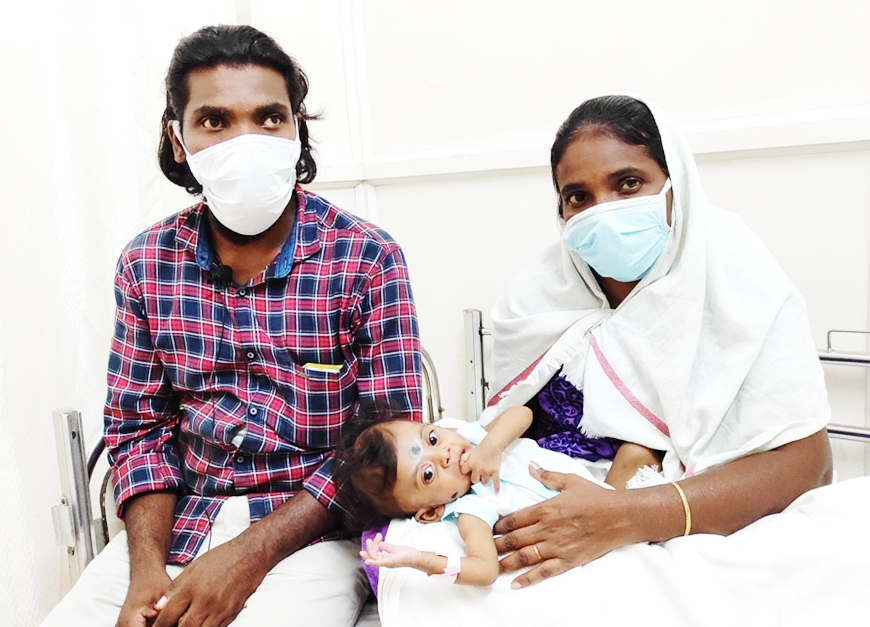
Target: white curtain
[[81, 102]]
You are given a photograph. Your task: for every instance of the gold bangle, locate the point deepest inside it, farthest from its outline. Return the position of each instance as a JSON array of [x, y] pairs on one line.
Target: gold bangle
[[685, 508]]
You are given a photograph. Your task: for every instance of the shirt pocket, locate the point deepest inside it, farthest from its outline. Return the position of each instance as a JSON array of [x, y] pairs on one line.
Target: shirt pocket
[[317, 404]]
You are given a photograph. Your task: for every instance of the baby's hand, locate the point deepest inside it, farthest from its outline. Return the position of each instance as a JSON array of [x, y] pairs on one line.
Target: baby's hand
[[379, 553], [482, 464]]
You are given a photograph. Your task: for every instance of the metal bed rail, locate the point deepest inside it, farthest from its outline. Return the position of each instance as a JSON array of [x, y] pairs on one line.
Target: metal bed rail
[[846, 358], [478, 384], [475, 374], [72, 517], [431, 389]]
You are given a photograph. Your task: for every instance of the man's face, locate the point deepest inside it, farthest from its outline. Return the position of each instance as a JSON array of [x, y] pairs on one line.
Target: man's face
[[227, 101], [427, 466]]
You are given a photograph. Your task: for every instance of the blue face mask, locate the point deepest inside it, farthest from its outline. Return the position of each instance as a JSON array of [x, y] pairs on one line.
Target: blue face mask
[[621, 239]]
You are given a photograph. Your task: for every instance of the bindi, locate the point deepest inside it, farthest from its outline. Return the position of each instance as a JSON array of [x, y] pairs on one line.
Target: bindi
[[416, 450]]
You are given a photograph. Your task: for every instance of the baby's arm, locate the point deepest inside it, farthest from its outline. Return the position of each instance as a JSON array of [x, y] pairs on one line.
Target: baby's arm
[[379, 553], [483, 461], [479, 568], [629, 459]]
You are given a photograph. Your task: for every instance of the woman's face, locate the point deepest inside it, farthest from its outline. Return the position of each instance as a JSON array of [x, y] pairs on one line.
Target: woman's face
[[598, 167]]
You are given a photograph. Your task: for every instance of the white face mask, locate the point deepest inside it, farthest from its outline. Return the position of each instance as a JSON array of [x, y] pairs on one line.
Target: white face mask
[[247, 181]]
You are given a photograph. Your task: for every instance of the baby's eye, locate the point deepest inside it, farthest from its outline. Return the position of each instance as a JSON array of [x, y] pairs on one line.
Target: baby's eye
[[433, 438], [428, 474]]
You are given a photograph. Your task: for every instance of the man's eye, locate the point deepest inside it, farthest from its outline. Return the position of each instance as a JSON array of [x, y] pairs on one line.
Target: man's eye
[[428, 474]]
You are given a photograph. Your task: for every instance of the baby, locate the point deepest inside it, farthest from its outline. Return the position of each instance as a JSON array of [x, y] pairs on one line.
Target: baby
[[472, 476]]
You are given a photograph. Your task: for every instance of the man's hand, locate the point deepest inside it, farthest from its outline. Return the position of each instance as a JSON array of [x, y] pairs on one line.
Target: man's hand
[[149, 532], [213, 589], [482, 463], [141, 605]]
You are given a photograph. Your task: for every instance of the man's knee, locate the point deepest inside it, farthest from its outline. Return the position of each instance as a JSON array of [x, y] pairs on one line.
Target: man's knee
[[322, 584]]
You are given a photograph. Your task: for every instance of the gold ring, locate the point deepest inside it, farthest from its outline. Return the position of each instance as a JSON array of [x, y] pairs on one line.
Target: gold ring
[[537, 552]]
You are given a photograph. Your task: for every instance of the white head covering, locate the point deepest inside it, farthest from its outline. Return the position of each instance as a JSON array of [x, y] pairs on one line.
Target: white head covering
[[709, 357]]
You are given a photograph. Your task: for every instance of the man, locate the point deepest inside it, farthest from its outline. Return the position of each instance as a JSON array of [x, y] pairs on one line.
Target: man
[[248, 328]]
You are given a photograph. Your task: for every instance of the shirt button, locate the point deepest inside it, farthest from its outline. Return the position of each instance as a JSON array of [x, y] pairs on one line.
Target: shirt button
[[240, 459], [253, 411], [242, 292], [251, 354]]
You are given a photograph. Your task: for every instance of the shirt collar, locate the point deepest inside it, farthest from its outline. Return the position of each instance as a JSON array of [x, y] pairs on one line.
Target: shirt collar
[[194, 236]]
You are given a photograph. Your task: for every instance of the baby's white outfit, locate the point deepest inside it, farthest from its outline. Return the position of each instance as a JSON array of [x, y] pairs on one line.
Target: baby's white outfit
[[517, 488]]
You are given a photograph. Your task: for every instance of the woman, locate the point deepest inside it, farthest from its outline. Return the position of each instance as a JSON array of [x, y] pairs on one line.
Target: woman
[[675, 329]]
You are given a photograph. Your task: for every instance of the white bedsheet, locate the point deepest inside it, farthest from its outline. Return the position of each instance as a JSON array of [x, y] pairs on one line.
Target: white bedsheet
[[809, 565]]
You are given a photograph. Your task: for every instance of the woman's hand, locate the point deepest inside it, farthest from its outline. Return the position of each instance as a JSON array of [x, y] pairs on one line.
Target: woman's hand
[[582, 523], [586, 521]]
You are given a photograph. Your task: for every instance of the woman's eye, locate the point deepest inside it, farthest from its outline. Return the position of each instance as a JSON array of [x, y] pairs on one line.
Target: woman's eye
[[577, 198], [428, 474], [273, 121], [433, 438], [630, 185], [211, 123]]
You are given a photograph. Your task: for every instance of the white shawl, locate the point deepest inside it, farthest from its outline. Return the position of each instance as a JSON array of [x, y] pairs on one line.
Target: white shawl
[[709, 358]]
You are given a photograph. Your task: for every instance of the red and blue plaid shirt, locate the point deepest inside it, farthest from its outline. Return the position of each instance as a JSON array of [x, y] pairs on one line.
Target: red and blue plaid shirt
[[195, 364]]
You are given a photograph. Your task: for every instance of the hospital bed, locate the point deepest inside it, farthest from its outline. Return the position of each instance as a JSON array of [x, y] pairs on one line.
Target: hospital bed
[[84, 477]]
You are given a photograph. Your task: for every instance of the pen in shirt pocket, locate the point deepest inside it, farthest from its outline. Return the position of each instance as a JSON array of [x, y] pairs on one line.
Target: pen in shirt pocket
[[312, 367]]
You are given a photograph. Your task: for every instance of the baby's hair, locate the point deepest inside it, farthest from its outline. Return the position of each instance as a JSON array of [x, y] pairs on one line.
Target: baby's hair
[[365, 471]]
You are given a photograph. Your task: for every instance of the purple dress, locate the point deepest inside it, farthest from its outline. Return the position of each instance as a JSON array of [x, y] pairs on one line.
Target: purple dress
[[558, 410]]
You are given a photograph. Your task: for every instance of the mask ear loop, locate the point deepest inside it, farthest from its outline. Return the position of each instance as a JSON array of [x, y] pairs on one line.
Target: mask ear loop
[[664, 194], [176, 130]]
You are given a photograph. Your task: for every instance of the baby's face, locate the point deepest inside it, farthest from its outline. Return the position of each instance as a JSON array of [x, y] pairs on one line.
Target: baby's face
[[427, 465]]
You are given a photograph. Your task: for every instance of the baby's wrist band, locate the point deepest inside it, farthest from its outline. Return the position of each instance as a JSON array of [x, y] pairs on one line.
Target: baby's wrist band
[[451, 570], [686, 508]]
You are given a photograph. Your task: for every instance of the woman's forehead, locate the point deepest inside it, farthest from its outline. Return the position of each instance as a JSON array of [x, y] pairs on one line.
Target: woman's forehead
[[598, 154]]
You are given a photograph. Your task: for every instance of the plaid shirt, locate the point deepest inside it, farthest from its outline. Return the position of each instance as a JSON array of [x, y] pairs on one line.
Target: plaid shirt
[[195, 365]]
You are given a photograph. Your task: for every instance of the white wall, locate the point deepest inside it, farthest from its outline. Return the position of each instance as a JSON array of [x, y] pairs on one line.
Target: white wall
[[437, 120]]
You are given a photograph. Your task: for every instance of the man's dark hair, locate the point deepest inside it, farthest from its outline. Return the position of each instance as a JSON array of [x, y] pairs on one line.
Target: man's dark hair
[[365, 472], [234, 46], [623, 117]]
